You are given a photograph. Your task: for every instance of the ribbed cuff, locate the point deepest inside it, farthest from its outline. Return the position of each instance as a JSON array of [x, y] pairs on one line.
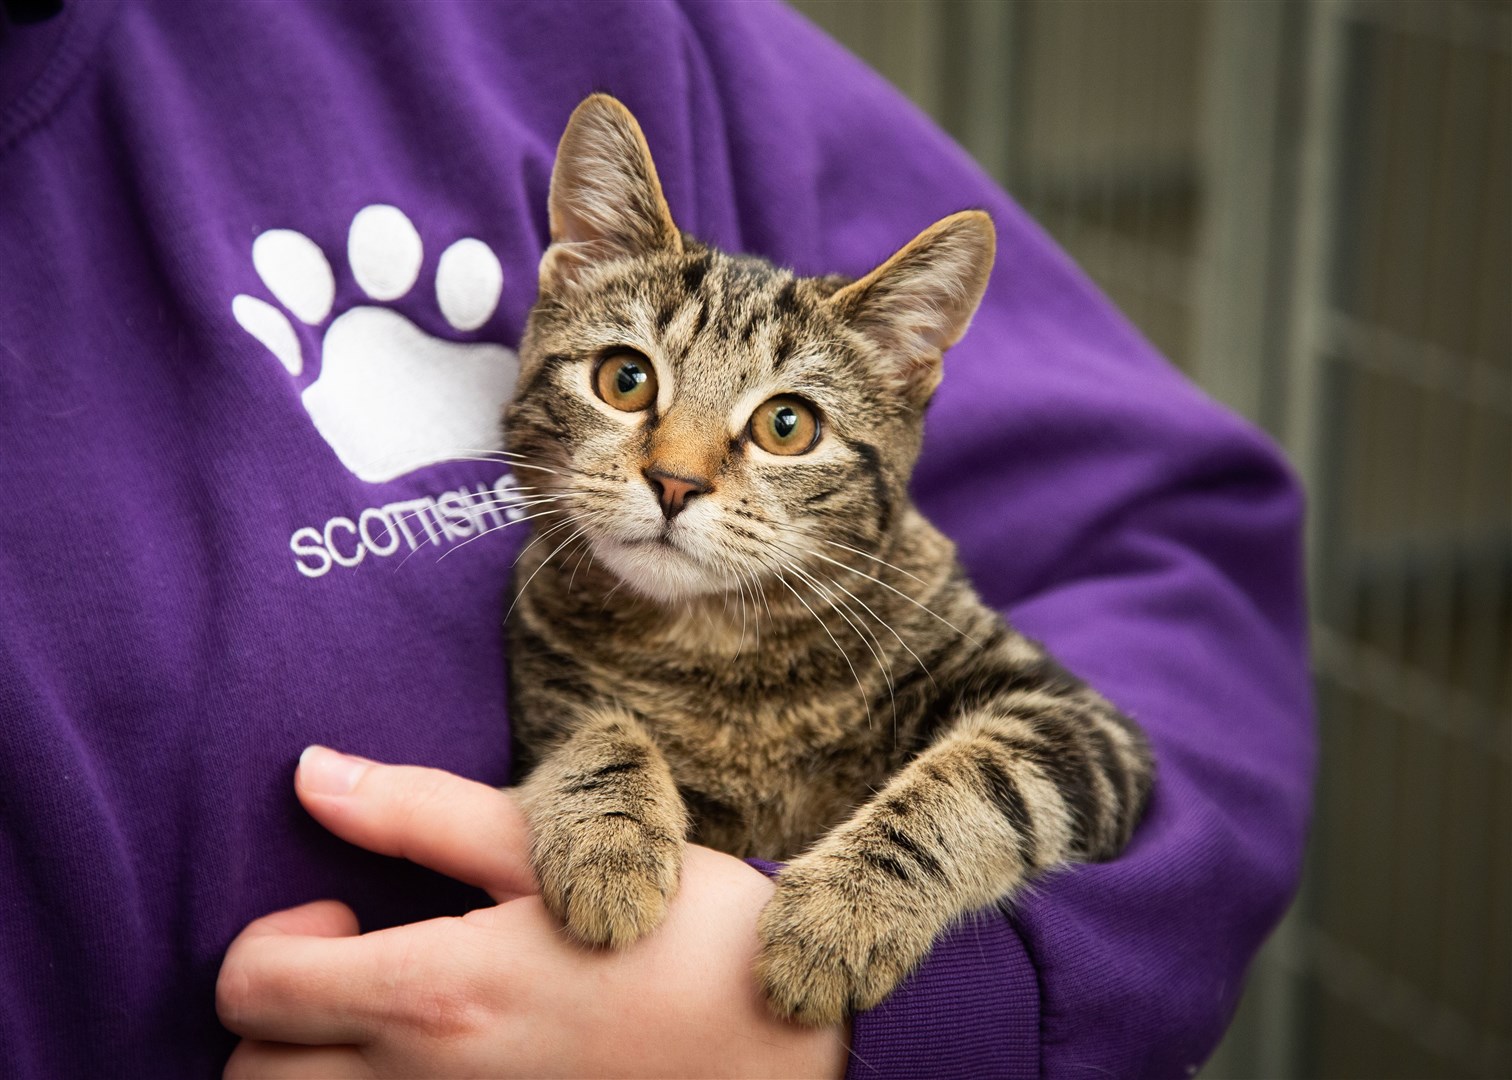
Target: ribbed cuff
[[970, 1010]]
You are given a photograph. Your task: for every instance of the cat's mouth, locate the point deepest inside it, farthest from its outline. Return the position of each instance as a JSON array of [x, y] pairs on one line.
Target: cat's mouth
[[665, 540], [662, 564], [663, 534]]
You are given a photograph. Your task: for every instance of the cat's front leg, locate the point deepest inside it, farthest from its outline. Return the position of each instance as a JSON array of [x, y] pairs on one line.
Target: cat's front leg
[[607, 830], [958, 828]]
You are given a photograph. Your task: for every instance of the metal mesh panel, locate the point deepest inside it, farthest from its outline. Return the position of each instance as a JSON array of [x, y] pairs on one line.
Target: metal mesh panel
[[1307, 204], [1123, 194], [1407, 962]]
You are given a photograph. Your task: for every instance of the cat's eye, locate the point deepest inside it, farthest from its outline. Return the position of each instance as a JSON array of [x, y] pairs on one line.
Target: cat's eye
[[625, 379], [785, 425]]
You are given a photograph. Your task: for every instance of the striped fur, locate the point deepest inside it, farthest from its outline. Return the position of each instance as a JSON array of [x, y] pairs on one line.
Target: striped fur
[[795, 666]]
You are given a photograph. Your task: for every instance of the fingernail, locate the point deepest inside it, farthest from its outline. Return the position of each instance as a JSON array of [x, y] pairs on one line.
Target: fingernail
[[325, 772]]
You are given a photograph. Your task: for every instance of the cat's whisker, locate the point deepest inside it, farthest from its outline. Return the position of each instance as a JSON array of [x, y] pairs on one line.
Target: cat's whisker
[[889, 627], [587, 550], [495, 493], [514, 486], [506, 504], [544, 562], [741, 599], [585, 546], [555, 527], [724, 606], [793, 553], [579, 520], [533, 505], [516, 494], [746, 587], [498, 502], [416, 516], [758, 592], [928, 611], [888, 673], [610, 594], [732, 569], [474, 508], [584, 518], [761, 592], [860, 688], [813, 582], [873, 558], [872, 643], [464, 453], [459, 452], [488, 532], [506, 457], [536, 468]]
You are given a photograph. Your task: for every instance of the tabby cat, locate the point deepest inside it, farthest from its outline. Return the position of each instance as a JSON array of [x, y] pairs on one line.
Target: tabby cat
[[732, 626]]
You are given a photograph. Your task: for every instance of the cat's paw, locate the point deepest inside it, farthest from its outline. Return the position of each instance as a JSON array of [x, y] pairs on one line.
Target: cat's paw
[[611, 879], [834, 942]]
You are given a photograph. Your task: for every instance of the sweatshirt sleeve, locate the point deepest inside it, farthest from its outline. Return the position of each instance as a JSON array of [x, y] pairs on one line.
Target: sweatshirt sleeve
[[1108, 508]]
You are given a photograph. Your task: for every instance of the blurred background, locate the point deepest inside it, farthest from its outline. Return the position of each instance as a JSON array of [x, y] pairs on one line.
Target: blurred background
[[1307, 206]]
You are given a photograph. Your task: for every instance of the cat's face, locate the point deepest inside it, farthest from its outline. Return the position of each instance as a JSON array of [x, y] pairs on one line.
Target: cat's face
[[711, 422]]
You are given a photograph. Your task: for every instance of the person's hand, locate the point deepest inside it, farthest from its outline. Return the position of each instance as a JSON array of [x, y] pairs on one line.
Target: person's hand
[[500, 991]]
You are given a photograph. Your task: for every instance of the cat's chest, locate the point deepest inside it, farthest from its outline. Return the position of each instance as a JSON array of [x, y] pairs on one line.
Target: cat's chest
[[763, 768], [747, 726]]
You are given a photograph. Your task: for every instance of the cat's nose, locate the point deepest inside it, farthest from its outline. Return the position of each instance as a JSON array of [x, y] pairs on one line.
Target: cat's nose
[[674, 491]]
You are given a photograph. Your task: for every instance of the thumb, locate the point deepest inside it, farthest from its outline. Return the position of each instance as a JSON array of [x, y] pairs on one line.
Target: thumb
[[322, 918], [458, 827]]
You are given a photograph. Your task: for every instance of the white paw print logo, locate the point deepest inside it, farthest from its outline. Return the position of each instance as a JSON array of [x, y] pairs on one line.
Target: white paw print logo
[[389, 398]]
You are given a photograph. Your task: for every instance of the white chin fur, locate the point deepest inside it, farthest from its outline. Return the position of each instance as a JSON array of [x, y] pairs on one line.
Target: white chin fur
[[658, 572]]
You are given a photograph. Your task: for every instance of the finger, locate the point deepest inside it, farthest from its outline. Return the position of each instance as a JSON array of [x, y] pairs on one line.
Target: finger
[[321, 918], [461, 828], [279, 1061], [300, 976]]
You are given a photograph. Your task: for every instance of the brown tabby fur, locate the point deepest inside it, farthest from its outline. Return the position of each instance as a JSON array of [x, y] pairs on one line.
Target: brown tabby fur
[[795, 666]]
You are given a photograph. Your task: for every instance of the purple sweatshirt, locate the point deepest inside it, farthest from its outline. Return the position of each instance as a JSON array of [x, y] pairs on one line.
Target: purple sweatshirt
[[262, 270]]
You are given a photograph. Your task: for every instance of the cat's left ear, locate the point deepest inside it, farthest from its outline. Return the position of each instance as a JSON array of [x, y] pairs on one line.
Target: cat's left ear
[[919, 302], [606, 201]]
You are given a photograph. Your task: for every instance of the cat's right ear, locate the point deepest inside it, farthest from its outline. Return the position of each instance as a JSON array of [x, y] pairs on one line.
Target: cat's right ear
[[919, 302], [606, 201]]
